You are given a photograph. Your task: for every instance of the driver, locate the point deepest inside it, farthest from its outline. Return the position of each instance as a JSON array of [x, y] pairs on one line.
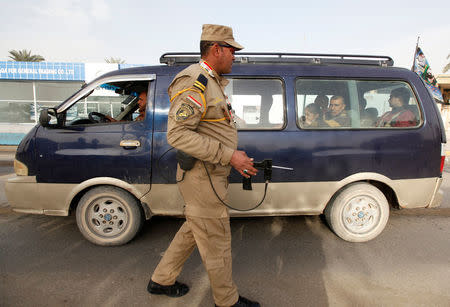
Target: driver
[[142, 102]]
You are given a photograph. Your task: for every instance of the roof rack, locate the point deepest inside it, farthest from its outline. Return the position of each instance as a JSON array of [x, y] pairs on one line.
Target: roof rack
[[174, 58]]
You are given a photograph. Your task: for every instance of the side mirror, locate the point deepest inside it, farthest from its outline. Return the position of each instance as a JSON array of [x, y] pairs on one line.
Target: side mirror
[[47, 115]]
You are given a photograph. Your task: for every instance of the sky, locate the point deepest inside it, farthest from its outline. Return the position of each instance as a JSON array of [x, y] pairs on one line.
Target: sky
[[139, 32]]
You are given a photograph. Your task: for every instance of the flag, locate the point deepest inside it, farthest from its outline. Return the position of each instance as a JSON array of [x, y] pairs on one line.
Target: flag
[[422, 68]]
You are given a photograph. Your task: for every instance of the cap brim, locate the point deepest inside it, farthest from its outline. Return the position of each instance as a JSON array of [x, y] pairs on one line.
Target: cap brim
[[234, 44]]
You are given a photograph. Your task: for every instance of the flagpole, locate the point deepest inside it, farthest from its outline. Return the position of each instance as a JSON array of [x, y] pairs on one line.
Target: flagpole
[[415, 51]]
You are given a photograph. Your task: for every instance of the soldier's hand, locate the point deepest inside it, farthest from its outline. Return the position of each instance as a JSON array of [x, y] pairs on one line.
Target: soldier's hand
[[243, 164]]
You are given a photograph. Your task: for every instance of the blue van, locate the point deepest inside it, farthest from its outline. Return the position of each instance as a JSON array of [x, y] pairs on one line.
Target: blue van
[[360, 135]]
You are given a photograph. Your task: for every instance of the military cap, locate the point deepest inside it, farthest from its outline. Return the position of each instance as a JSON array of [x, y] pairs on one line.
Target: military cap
[[218, 33]]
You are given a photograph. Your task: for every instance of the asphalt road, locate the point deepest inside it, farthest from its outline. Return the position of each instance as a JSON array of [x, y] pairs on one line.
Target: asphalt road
[[280, 261]]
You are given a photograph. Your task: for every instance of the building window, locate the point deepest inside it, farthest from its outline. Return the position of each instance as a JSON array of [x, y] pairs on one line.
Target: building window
[[19, 100], [51, 94], [16, 102]]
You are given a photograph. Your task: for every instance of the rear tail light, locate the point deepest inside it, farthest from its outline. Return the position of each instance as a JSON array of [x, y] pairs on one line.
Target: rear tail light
[[442, 157]]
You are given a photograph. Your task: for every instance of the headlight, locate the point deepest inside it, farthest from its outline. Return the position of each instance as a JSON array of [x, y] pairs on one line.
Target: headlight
[[20, 168]]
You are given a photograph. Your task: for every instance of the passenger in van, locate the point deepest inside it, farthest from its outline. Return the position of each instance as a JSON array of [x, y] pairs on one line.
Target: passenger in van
[[337, 115], [313, 118], [322, 102], [400, 115], [142, 102]]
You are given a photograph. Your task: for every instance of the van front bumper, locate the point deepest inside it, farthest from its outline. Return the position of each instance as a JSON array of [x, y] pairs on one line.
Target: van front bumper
[[25, 195]]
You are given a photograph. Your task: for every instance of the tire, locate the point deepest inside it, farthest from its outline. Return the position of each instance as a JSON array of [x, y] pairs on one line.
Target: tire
[[358, 213], [109, 216]]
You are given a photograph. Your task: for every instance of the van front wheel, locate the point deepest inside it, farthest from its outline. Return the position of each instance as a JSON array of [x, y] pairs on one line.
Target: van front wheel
[[109, 216], [358, 213]]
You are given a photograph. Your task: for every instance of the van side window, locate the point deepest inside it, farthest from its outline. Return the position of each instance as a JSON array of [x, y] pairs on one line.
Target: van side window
[[258, 103], [357, 104], [109, 103]]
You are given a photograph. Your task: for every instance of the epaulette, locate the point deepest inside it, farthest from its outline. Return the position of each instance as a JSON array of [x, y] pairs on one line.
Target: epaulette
[[201, 83]]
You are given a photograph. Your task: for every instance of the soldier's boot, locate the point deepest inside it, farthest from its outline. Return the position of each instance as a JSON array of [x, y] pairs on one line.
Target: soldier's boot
[[176, 290], [245, 302]]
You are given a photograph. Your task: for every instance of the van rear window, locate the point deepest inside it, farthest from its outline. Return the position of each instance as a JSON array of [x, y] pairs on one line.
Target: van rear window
[[258, 104], [358, 104]]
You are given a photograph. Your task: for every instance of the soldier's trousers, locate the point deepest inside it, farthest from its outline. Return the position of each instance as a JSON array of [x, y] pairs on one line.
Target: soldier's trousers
[[213, 239]]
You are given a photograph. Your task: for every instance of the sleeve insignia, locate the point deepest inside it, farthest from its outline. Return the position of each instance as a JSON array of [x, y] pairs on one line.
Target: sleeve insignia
[[184, 112], [201, 83]]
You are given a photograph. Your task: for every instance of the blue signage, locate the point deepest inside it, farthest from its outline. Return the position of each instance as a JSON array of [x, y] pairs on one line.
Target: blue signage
[[42, 71]]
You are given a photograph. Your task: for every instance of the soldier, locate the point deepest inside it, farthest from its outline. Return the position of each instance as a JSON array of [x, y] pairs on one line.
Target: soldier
[[201, 125]]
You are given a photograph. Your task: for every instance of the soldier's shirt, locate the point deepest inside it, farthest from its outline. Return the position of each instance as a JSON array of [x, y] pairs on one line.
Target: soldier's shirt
[[205, 130]]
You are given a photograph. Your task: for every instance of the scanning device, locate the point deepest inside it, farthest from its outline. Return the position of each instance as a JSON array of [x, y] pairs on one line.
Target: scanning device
[[265, 165]]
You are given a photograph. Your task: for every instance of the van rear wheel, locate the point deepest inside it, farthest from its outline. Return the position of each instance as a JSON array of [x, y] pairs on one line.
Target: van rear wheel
[[358, 213], [109, 216]]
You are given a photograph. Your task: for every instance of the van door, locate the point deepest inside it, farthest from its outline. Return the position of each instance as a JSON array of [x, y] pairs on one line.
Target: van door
[[100, 136]]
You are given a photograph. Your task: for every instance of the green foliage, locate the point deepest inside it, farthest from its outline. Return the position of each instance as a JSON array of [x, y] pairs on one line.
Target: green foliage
[[25, 56]]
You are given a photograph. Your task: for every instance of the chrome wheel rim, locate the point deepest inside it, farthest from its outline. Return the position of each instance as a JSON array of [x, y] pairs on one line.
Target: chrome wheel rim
[[107, 216], [361, 214]]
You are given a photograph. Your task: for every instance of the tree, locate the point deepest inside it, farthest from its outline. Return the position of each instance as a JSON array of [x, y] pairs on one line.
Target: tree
[[447, 67], [25, 56], [112, 60]]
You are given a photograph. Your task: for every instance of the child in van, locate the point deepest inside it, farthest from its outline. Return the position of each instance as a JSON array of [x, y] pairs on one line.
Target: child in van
[[313, 118]]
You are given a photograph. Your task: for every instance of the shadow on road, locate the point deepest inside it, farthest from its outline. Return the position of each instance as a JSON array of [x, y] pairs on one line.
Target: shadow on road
[[45, 261]]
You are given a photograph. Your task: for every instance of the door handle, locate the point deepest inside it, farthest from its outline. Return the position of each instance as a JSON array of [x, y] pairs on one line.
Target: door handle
[[130, 144]]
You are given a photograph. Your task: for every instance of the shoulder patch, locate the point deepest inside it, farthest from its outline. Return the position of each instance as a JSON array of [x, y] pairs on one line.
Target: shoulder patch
[[184, 112], [201, 82]]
